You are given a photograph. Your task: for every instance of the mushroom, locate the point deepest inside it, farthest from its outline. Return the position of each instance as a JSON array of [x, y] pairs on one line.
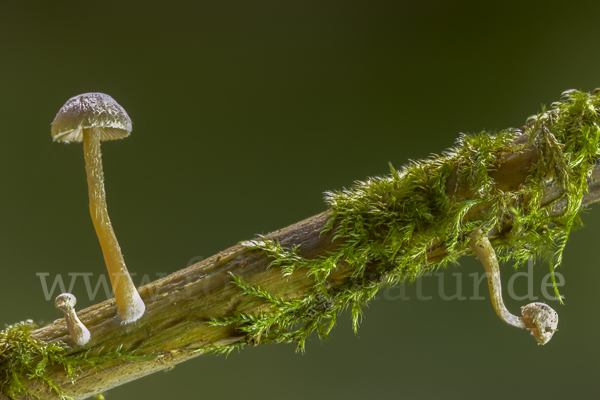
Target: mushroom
[[91, 118], [539, 318], [79, 333]]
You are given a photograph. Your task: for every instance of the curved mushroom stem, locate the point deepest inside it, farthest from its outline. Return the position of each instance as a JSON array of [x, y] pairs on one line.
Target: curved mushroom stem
[[483, 249], [129, 303], [540, 318]]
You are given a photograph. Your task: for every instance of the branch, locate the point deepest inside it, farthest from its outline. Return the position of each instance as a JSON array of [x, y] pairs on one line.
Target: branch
[[183, 310]]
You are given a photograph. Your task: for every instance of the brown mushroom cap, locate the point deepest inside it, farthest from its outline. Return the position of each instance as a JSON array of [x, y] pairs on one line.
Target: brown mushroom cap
[[91, 111]]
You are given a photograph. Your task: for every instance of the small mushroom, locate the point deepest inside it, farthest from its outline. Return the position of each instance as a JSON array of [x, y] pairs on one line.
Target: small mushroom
[[79, 333], [91, 118], [539, 318]]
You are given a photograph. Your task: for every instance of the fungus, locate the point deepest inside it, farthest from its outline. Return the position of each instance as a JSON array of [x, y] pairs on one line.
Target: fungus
[[91, 118], [539, 318], [79, 333]]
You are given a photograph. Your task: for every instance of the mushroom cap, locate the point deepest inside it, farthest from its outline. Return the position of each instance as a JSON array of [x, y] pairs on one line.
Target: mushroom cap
[[91, 111], [541, 319], [65, 300]]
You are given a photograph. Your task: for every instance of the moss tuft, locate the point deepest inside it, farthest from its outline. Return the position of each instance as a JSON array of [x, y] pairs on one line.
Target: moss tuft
[[23, 357]]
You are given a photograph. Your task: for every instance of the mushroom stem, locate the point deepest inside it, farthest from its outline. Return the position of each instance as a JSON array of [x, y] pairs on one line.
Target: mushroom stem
[[129, 303], [483, 249], [539, 318]]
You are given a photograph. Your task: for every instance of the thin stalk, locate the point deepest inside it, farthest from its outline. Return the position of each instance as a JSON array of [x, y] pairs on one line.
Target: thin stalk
[[482, 248], [129, 304]]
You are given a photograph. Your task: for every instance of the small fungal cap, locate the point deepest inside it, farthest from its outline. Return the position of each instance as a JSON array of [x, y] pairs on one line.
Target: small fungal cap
[[64, 301], [90, 111], [541, 319]]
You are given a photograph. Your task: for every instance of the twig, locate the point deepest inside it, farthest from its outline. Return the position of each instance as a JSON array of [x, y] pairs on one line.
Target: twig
[[176, 326]]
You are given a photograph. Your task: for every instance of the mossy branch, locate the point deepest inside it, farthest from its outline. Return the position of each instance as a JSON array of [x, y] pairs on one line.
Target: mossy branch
[[524, 187]]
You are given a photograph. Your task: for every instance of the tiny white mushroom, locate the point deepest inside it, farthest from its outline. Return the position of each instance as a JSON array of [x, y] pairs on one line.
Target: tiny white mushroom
[[91, 118], [539, 318], [79, 333]]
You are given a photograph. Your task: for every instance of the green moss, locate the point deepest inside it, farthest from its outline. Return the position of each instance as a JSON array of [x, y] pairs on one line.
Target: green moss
[[23, 357], [219, 350], [386, 225]]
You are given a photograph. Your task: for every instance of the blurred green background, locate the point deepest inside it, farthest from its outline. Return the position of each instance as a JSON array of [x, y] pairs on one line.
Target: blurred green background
[[244, 113]]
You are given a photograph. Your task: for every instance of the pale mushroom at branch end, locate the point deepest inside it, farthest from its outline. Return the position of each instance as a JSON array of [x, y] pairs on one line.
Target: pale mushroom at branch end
[[539, 318]]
